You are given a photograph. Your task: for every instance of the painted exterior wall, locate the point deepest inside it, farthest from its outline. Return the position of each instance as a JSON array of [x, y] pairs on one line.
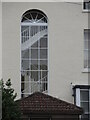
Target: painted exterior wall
[[41, 0], [66, 24], [0, 40]]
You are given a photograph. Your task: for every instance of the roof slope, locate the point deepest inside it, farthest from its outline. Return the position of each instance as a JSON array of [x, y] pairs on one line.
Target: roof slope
[[43, 103]]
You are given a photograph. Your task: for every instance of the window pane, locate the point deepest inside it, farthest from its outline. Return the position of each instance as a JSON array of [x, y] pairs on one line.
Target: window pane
[[43, 64], [34, 75], [87, 5], [25, 33], [86, 48], [87, 45], [87, 34], [34, 30], [34, 53], [85, 58], [34, 64], [43, 53], [25, 64], [44, 80], [22, 80], [25, 54], [86, 63], [30, 75], [85, 105], [43, 42], [25, 30], [85, 117], [43, 74], [84, 96], [35, 45], [25, 83], [86, 54]]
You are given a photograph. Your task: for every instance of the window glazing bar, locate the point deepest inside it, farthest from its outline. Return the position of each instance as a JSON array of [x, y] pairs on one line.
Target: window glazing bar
[[33, 24]]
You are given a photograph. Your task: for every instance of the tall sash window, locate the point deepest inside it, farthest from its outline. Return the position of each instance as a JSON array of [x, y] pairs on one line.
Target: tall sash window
[[34, 52]]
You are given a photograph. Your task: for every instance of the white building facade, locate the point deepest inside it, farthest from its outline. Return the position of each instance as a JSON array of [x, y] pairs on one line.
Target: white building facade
[[45, 47]]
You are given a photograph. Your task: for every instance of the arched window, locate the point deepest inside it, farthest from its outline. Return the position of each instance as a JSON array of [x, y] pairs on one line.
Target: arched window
[[34, 52]]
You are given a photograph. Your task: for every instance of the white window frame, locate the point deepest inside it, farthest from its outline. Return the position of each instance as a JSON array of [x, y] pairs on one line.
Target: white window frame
[[86, 69], [77, 98], [85, 10], [39, 24]]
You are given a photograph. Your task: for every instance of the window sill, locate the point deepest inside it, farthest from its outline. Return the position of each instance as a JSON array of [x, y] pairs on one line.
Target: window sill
[[85, 11], [86, 70]]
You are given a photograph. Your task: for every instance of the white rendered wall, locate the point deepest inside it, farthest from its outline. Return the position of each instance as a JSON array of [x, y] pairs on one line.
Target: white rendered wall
[[41, 0], [66, 24], [0, 40]]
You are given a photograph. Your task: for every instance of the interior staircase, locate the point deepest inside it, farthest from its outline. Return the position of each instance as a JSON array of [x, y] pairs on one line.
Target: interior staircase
[[28, 39]]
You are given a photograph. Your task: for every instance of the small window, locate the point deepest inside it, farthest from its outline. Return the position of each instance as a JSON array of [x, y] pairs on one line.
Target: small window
[[86, 4], [82, 99], [86, 48]]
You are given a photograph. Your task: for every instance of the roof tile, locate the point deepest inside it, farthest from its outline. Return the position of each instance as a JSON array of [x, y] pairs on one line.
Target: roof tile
[[43, 103]]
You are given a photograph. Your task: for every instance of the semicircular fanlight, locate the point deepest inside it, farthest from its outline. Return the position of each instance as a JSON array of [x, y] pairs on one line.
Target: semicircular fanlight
[[34, 16]]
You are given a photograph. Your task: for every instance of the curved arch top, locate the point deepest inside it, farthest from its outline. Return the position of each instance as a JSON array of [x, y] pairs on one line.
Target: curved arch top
[[34, 16]]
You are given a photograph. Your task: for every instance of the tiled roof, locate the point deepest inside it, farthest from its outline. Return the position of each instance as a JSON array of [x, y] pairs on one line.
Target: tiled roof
[[43, 103]]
